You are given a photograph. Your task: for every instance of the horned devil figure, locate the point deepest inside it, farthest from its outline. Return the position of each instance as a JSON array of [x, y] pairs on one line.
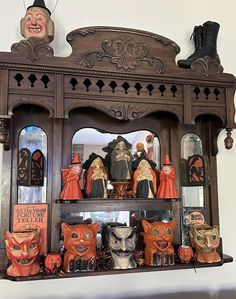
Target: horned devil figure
[[122, 241]]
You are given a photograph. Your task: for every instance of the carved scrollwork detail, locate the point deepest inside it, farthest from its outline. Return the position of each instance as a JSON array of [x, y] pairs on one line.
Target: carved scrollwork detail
[[129, 112], [32, 49], [208, 66], [125, 52]]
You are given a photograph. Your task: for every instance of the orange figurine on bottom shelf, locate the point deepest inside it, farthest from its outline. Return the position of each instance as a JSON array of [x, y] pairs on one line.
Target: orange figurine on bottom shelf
[[71, 179], [158, 238], [23, 249]]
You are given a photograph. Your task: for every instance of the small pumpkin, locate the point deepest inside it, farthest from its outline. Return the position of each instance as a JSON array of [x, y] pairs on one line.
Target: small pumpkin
[[185, 254], [53, 261]]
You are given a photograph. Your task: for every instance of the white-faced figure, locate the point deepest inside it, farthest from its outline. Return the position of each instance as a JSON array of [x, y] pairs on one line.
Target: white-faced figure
[[122, 242], [37, 22]]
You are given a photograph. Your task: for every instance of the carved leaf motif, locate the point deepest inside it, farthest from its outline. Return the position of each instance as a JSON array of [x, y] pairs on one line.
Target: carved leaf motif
[[208, 66], [32, 49], [125, 52]]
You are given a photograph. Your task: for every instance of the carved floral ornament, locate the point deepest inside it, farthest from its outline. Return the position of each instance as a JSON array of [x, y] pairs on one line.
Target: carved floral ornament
[[126, 53]]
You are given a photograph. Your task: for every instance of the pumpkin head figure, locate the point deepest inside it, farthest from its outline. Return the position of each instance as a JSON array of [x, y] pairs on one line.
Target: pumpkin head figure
[[53, 262]]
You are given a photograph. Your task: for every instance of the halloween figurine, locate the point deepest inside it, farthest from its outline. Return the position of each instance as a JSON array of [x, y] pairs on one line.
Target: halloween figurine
[[71, 179], [37, 22], [185, 254], [140, 150], [96, 177], [23, 249], [166, 188], [80, 244], [158, 238], [121, 160], [205, 239], [122, 242], [144, 178], [53, 262]]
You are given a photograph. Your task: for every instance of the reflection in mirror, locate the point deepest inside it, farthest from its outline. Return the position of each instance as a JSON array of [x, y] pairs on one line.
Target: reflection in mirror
[[33, 138], [192, 196], [88, 140]]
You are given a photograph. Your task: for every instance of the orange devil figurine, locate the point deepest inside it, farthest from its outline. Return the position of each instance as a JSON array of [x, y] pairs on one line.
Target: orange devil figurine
[[23, 249], [80, 244], [166, 188], [158, 238], [71, 178]]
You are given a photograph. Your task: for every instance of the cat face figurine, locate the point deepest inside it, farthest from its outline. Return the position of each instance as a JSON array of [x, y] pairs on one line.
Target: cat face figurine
[[23, 249], [158, 238], [205, 239], [80, 244]]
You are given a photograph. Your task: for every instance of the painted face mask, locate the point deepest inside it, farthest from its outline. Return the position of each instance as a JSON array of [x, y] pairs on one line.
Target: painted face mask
[[205, 239], [23, 248], [158, 238], [38, 24], [80, 244], [122, 241]]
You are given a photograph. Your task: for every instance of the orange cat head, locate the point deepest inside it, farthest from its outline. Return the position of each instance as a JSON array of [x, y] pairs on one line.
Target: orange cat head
[[80, 239], [159, 235]]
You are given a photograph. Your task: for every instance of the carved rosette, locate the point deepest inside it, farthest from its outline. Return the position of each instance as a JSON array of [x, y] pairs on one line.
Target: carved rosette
[[33, 49], [125, 53]]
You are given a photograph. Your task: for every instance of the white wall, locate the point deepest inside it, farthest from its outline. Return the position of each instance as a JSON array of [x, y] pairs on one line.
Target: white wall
[[175, 20]]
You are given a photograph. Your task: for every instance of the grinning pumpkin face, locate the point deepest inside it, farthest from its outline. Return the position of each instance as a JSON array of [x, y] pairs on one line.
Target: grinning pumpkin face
[[53, 261], [185, 254]]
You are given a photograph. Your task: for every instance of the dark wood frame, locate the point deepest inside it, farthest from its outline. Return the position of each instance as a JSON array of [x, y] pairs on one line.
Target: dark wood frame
[[115, 79]]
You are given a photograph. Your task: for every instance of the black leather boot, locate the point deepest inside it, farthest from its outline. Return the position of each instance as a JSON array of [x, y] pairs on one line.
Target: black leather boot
[[208, 35]]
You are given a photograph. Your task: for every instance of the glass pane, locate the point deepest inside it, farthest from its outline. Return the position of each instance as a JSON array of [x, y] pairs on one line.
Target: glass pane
[[33, 138], [192, 196]]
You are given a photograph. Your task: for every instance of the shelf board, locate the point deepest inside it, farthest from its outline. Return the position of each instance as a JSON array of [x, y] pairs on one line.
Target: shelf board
[[193, 266], [134, 204]]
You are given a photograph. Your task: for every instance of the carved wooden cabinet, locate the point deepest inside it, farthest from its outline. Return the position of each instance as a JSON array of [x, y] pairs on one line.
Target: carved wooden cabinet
[[116, 80]]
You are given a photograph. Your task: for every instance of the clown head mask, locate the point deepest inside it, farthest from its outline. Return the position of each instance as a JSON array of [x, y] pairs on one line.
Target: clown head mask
[[23, 249], [122, 241]]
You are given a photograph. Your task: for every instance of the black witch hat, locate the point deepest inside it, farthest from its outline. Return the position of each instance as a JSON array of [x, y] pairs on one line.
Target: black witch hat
[[90, 160], [40, 3], [136, 162], [114, 142]]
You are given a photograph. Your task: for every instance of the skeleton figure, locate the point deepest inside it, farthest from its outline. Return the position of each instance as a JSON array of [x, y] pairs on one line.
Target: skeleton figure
[[122, 241]]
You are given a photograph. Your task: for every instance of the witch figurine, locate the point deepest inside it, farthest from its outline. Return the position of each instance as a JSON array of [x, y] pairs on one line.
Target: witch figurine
[[71, 178], [96, 177], [37, 22], [120, 160], [144, 178], [167, 188]]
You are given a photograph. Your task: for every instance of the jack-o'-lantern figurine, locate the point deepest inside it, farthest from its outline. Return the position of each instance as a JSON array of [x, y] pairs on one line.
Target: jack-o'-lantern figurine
[[37, 22], [158, 238], [122, 242], [205, 239], [23, 249], [80, 244], [185, 254], [53, 262]]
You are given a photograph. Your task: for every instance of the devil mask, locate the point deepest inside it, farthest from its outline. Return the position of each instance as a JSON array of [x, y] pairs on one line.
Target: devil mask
[[23, 248]]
